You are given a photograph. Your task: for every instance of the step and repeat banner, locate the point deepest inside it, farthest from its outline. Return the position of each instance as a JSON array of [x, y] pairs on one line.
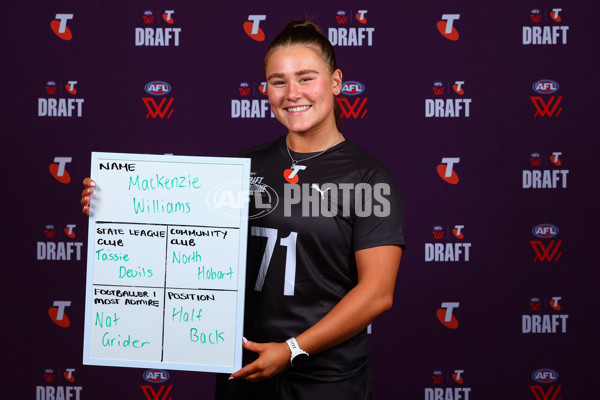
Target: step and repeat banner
[[485, 112]]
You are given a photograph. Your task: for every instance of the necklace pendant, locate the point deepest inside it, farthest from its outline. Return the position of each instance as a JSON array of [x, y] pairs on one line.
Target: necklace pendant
[[293, 164]]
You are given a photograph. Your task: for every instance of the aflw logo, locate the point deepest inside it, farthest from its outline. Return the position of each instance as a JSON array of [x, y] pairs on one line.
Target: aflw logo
[[158, 88], [548, 107], [546, 251], [353, 107]]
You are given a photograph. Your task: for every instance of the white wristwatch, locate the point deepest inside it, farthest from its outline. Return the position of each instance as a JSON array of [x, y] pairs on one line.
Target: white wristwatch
[[299, 356]]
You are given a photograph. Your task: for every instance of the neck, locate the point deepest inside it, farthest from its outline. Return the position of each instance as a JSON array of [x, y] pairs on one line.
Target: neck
[[312, 142]]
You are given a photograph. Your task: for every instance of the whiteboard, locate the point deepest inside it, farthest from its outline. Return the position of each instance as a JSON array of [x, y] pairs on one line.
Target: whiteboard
[[166, 262]]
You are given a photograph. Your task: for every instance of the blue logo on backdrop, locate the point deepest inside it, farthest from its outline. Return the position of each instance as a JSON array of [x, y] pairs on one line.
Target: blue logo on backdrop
[[156, 375], [157, 88], [352, 88]]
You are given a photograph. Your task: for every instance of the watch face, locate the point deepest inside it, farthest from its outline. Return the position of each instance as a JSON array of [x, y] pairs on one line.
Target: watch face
[[299, 360]]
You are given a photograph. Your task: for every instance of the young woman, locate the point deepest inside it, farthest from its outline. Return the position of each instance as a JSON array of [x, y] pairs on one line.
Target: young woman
[[322, 265]]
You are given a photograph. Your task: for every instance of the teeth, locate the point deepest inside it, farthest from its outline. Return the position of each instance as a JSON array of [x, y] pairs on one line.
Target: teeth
[[299, 108]]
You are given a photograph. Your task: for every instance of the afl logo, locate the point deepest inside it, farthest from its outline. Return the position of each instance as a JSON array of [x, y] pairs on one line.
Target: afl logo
[[438, 84], [352, 88], [545, 375], [535, 11], [545, 86], [545, 231], [535, 155], [438, 228], [148, 13], [156, 375], [244, 85], [341, 13], [157, 88]]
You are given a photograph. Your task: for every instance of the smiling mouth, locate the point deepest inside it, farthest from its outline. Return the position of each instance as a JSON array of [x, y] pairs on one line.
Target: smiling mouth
[[298, 108]]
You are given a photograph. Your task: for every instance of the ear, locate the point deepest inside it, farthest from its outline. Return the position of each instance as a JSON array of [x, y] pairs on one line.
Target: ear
[[337, 81]]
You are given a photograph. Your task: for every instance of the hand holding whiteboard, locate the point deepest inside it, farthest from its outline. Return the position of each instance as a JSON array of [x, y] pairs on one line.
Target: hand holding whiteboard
[[166, 262]]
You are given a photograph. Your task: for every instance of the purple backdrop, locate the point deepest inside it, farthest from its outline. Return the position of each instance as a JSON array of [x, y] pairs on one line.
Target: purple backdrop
[[507, 109]]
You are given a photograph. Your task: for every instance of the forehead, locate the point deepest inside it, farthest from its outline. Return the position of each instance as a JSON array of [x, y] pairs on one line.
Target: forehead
[[294, 58]]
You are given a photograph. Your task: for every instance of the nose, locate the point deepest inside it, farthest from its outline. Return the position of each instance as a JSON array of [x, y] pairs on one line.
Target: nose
[[293, 92]]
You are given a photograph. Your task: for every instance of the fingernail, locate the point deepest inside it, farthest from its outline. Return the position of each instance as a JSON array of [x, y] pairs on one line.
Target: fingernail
[[244, 340], [92, 183], [230, 378]]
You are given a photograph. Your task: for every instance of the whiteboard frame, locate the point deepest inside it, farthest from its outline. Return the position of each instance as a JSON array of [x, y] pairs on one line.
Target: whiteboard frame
[[96, 157]]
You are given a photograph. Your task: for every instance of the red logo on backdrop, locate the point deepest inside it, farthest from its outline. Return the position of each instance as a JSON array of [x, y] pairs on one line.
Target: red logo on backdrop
[[50, 231], [58, 169], [458, 233], [51, 87], [547, 252], [69, 231], [161, 394], [438, 232], [445, 314], [360, 16], [536, 159], [446, 170], [555, 14], [49, 375], [253, 29], [446, 26], [70, 86], [458, 377], [244, 88], [263, 88], [158, 88], [535, 15], [543, 107], [57, 313], [168, 17], [438, 88], [341, 17], [148, 17], [535, 304], [356, 108], [68, 374], [554, 304], [60, 28], [549, 394], [438, 377]]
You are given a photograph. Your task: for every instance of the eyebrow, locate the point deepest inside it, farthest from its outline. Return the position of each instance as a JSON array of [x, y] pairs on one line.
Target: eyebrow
[[298, 73]]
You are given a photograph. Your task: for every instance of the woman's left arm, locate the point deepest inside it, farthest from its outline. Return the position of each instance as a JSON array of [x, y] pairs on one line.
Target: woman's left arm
[[373, 294]]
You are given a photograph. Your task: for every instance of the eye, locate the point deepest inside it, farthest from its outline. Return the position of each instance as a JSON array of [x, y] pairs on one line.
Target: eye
[[306, 79]]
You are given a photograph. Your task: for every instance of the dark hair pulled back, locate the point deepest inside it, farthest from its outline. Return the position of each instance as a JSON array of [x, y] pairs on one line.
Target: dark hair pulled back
[[304, 33]]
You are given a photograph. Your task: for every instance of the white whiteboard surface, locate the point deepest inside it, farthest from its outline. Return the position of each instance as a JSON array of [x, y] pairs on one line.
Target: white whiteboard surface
[[166, 262]]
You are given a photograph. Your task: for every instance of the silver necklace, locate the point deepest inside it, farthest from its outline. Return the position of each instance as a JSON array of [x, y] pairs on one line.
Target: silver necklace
[[294, 162]]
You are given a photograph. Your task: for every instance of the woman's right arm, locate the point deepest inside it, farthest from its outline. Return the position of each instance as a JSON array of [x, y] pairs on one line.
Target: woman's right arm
[[88, 189]]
